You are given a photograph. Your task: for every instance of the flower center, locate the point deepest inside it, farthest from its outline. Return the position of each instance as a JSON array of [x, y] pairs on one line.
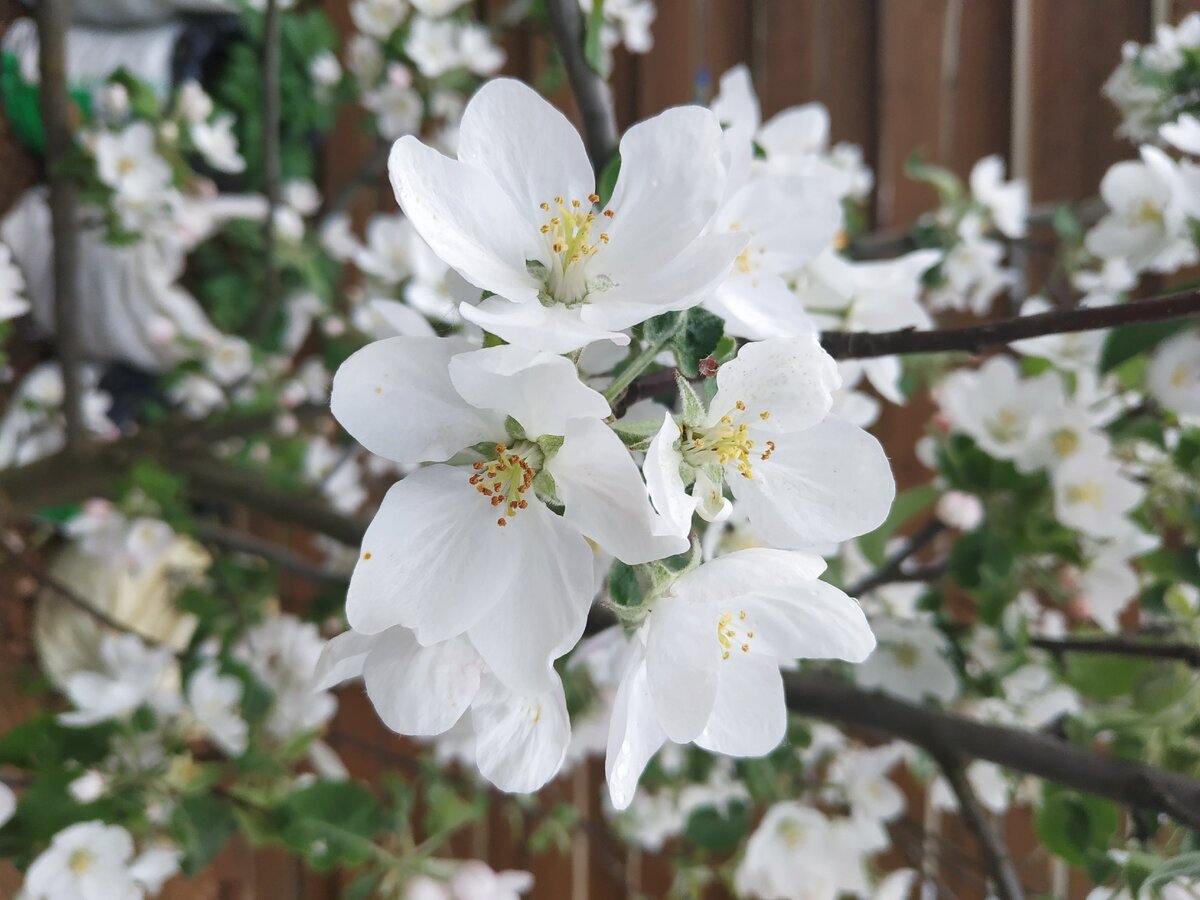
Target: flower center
[[907, 655], [81, 860], [569, 232], [1148, 213], [505, 481], [727, 443], [1065, 442], [732, 633], [1180, 375], [1005, 426], [1090, 492]]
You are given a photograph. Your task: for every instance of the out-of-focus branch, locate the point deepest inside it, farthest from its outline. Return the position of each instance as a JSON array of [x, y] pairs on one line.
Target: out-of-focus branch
[[239, 542], [1005, 881], [867, 344], [272, 177], [592, 93], [940, 733], [893, 567], [1122, 646], [52, 18], [367, 174]]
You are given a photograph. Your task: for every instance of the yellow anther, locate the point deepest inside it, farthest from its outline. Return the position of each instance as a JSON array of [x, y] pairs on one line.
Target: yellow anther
[[594, 198], [544, 206], [764, 415], [741, 405]]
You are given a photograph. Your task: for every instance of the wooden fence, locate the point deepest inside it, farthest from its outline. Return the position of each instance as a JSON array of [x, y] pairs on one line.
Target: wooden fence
[[958, 79]]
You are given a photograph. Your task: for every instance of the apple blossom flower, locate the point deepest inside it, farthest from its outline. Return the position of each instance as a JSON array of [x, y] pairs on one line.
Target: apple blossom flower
[[131, 675], [128, 161], [723, 690], [397, 109], [1093, 495], [989, 783], [1173, 374], [1001, 411], [767, 434], [8, 804], [12, 287], [92, 860], [213, 701], [911, 661], [1007, 202], [325, 70], [516, 215], [520, 738], [378, 18], [524, 596], [1149, 204]]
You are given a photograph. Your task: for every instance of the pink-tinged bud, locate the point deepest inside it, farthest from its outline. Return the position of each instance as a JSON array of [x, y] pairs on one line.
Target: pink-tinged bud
[[399, 75], [286, 425], [960, 510], [708, 367], [161, 331]]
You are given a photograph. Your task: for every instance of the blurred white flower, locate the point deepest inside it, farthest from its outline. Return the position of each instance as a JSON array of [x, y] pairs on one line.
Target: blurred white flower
[[214, 702]]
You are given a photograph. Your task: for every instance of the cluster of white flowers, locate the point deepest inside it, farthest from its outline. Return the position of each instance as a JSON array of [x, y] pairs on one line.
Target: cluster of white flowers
[[477, 572], [1155, 83]]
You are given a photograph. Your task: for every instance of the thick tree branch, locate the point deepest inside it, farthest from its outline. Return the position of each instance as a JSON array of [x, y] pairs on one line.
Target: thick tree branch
[[1005, 880], [592, 93], [940, 733], [866, 344], [52, 19], [1122, 646]]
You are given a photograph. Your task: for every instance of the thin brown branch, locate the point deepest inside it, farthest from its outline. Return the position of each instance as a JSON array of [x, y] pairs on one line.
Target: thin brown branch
[[866, 344], [893, 568], [368, 174], [1130, 783], [1005, 881], [1122, 646], [52, 20], [12, 549], [592, 93], [239, 542]]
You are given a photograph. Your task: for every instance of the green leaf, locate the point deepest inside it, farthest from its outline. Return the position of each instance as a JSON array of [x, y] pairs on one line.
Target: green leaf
[[1123, 344], [1186, 866], [1067, 224], [42, 744], [906, 506], [637, 432], [593, 47], [1103, 676], [449, 811], [607, 182], [711, 830], [200, 826], [624, 587], [332, 823], [1071, 825], [700, 336], [948, 185]]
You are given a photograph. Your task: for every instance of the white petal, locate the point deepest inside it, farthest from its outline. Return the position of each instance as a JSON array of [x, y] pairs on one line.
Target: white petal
[[749, 717], [829, 483], [543, 614], [679, 284], [811, 620], [396, 399], [466, 218], [799, 131], [554, 329], [528, 147], [540, 390], [433, 559], [727, 578], [682, 655], [521, 741], [790, 221], [341, 659], [790, 379], [758, 306], [605, 498], [672, 178], [634, 735], [661, 469], [421, 690]]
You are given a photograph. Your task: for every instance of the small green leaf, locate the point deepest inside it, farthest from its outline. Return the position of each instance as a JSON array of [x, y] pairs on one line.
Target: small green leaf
[[201, 825], [624, 587], [608, 179], [332, 823], [637, 432], [714, 831], [1123, 344], [948, 185], [694, 412], [1185, 867], [700, 336], [593, 46], [1071, 825]]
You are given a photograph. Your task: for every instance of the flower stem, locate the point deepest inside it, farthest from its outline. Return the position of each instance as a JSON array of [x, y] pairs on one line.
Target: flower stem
[[642, 361]]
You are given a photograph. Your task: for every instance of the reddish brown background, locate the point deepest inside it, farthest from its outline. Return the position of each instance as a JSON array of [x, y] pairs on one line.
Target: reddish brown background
[[940, 75]]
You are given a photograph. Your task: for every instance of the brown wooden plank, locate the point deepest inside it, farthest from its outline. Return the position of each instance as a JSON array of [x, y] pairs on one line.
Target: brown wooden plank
[[1075, 46]]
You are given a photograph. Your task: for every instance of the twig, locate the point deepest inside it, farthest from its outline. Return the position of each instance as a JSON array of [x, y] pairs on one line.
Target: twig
[[1078, 768], [240, 542], [272, 179], [52, 18], [867, 344], [1122, 646], [46, 580], [591, 91], [1005, 881], [891, 570]]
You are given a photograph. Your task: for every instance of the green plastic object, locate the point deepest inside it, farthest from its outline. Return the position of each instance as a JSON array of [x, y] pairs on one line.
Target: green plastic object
[[21, 104]]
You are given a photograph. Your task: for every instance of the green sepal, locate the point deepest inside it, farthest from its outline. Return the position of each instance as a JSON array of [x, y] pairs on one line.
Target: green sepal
[[694, 412]]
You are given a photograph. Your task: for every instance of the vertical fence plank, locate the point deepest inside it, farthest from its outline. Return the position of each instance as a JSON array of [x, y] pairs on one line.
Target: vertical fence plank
[[1075, 46]]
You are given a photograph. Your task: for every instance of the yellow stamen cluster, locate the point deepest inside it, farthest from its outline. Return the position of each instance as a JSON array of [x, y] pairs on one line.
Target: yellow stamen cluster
[[1090, 492], [1065, 442], [570, 228], [81, 860], [504, 481], [728, 443], [728, 634]]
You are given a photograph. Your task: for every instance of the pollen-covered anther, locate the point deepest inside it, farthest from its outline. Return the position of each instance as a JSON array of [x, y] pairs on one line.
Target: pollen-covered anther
[[504, 481], [733, 635], [569, 229], [767, 453]]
